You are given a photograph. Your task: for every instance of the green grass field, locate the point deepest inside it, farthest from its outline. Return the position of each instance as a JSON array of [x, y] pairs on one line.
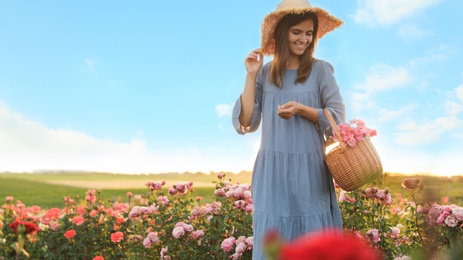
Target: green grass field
[[48, 189]]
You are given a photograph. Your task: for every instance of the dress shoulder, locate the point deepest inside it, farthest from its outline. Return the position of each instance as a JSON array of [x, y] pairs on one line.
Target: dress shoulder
[[323, 65]]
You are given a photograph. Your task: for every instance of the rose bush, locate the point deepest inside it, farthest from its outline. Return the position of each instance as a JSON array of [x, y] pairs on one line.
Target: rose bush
[[405, 227], [155, 225], [171, 223]]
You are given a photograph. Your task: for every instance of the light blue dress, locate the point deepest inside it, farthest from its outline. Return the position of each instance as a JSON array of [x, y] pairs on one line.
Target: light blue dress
[[292, 189]]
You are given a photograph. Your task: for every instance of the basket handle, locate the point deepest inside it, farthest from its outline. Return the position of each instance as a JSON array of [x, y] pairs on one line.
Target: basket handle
[[335, 127]]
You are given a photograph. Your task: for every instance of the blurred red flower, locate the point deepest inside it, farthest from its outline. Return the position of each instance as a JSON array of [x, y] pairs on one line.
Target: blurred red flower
[[116, 237], [328, 246], [70, 234], [28, 226]]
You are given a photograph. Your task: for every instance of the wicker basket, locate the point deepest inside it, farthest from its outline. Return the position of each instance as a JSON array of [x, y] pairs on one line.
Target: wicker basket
[[352, 167]]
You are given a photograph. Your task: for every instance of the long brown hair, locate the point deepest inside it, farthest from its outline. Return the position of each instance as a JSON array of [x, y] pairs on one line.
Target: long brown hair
[[281, 55]]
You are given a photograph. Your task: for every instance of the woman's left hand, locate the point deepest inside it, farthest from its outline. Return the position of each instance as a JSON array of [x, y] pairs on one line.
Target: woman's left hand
[[288, 110]]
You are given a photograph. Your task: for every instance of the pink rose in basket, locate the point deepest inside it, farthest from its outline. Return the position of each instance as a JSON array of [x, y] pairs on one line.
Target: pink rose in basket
[[353, 132]]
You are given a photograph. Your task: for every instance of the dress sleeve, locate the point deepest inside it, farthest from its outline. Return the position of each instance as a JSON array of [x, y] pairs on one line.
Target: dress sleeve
[[256, 116], [331, 99]]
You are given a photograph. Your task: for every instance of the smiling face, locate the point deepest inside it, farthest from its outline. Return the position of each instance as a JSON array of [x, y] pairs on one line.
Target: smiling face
[[300, 36]]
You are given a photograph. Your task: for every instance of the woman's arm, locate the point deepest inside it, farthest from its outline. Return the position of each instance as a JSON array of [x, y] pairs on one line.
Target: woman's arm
[[288, 110], [253, 64], [248, 100]]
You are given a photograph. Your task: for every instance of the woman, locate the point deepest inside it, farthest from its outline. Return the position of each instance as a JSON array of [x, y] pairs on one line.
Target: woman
[[292, 188]]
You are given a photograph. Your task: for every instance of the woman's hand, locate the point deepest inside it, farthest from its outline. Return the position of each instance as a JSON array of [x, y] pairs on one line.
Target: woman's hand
[[288, 110], [254, 61]]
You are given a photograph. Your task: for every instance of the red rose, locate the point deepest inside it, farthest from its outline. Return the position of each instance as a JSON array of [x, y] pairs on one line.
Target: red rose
[[29, 227], [328, 246], [70, 234]]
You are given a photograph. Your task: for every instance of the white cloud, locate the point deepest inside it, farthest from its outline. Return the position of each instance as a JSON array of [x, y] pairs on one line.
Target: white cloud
[[445, 162], [386, 12], [459, 92], [382, 77], [361, 101], [413, 133], [454, 104], [388, 115], [431, 130], [453, 108], [27, 145], [224, 109], [411, 32]]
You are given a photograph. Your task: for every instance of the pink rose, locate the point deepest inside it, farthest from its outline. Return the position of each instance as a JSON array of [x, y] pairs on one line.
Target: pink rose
[[351, 200], [157, 185], [147, 242], [195, 211], [373, 234], [422, 210], [250, 242], [219, 193], [145, 210], [186, 227], [248, 208], [203, 211], [247, 194], [238, 192], [451, 221], [181, 187], [164, 252], [178, 232], [411, 183], [134, 212], [229, 194], [395, 232], [352, 142], [172, 191], [240, 247], [227, 244], [153, 237], [457, 212], [245, 186], [371, 192], [54, 225], [435, 211], [241, 239], [443, 216], [9, 199], [197, 234], [163, 200], [342, 196], [388, 200], [381, 194]]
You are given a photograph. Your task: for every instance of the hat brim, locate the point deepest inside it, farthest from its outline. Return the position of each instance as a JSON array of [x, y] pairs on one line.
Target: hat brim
[[326, 24]]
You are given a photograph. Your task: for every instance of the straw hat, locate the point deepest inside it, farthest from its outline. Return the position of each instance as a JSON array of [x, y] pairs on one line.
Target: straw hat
[[326, 22]]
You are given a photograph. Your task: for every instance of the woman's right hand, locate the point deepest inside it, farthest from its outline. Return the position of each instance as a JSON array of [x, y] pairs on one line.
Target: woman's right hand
[[254, 61]]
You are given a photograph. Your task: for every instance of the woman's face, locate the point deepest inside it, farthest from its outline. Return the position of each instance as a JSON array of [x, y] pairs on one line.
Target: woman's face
[[300, 36]]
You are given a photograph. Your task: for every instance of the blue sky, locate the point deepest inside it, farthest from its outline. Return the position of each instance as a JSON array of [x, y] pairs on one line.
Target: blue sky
[[148, 86]]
